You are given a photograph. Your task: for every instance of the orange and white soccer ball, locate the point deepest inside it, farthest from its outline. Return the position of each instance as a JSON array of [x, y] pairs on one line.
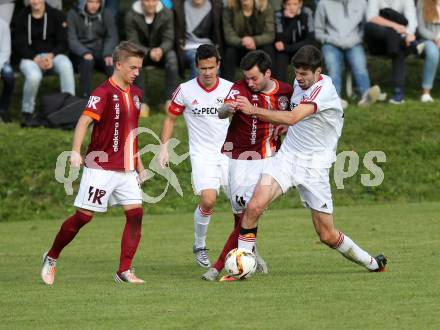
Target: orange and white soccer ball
[[240, 263]]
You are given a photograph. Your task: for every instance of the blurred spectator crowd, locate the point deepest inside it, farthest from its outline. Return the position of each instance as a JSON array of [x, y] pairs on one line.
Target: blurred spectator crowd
[[46, 38]]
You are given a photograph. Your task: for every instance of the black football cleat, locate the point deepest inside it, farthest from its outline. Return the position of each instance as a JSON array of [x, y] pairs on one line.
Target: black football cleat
[[381, 261]]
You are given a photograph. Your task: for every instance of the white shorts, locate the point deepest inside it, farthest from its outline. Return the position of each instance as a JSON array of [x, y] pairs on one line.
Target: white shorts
[[312, 183], [209, 174], [99, 188], [244, 176]]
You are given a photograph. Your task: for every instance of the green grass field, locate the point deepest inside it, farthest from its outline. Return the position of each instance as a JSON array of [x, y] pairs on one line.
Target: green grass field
[[309, 286]]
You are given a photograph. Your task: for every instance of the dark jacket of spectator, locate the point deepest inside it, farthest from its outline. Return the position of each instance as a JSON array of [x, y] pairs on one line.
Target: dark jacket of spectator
[[260, 25], [96, 34], [210, 27], [161, 33], [294, 32], [35, 36]]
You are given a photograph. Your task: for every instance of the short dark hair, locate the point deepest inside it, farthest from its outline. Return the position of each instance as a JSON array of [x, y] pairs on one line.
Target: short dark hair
[[127, 49], [207, 51], [257, 58], [308, 58]]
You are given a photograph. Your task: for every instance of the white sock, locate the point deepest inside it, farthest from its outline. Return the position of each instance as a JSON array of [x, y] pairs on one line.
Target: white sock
[[351, 251], [247, 241], [201, 222]]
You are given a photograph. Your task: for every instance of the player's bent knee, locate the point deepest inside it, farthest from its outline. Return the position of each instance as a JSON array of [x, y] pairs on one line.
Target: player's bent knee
[[207, 204], [255, 208]]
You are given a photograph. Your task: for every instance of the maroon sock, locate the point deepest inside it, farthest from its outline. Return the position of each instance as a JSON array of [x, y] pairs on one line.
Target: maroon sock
[[237, 218], [230, 244], [67, 232], [130, 238]]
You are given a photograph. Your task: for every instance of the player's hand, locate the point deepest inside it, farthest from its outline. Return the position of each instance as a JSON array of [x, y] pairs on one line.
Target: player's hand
[[245, 106], [280, 130], [227, 109], [142, 174], [75, 159], [279, 45], [108, 61], [163, 156]]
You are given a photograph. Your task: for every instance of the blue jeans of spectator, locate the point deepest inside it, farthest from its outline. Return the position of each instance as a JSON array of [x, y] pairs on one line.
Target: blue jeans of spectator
[[33, 75], [432, 54], [190, 56], [355, 57], [7, 75]]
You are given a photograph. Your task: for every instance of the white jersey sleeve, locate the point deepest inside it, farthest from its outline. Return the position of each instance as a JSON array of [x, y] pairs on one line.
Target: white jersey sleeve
[[177, 105], [313, 140], [323, 96]]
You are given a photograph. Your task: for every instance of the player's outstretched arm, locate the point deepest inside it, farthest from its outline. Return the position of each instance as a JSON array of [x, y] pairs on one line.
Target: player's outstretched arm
[[167, 133], [277, 117], [78, 138], [226, 110]]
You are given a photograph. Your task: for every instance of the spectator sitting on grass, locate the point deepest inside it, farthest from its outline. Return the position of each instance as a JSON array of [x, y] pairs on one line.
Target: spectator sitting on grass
[[151, 25], [428, 12], [247, 25], [197, 22], [294, 29], [390, 29], [41, 41], [339, 27], [92, 37]]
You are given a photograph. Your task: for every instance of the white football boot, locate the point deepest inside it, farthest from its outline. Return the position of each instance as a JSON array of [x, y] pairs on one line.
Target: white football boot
[[261, 264], [128, 277], [48, 270], [201, 257], [211, 275]]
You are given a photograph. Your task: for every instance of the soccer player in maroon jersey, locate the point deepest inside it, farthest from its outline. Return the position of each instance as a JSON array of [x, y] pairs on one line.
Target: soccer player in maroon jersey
[[112, 167], [250, 142]]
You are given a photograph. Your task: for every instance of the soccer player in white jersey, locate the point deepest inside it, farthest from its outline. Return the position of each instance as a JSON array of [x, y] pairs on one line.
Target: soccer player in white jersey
[[199, 100], [305, 158]]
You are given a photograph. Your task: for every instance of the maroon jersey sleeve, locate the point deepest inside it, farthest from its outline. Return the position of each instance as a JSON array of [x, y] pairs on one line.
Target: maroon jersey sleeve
[[237, 89], [97, 102]]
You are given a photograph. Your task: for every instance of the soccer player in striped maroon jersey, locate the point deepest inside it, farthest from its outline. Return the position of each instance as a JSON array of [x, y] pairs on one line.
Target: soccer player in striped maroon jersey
[[250, 142], [112, 167]]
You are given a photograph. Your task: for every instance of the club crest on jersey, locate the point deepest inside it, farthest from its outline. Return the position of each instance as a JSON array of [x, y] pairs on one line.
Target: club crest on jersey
[[137, 102], [254, 97], [93, 100], [283, 102], [232, 93], [115, 97]]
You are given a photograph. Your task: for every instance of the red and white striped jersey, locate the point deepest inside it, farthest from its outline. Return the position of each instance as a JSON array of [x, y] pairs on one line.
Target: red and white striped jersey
[[313, 140], [116, 116], [249, 137]]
